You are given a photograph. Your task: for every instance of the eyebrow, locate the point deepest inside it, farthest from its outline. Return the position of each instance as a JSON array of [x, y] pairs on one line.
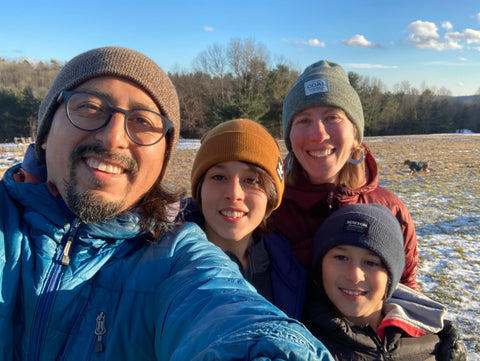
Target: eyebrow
[[133, 105], [344, 248], [250, 167]]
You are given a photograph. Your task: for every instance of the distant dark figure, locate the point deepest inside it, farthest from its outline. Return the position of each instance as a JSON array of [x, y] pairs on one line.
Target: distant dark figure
[[417, 166]]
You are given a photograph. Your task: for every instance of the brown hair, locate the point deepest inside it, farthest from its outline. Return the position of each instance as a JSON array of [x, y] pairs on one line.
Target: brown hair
[[154, 206]]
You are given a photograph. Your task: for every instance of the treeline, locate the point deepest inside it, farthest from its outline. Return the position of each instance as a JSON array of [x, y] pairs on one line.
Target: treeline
[[240, 80]]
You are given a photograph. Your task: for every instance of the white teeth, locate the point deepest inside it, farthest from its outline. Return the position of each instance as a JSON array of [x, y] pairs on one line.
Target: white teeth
[[232, 214], [320, 154], [104, 167], [352, 293]]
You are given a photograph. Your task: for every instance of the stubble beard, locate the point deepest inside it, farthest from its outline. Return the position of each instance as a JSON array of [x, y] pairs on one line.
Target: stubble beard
[[88, 206]]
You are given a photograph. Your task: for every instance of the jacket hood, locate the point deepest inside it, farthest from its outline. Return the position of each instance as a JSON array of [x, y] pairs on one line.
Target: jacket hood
[[413, 312]]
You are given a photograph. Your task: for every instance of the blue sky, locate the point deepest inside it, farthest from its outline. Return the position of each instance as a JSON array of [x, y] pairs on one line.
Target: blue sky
[[434, 43]]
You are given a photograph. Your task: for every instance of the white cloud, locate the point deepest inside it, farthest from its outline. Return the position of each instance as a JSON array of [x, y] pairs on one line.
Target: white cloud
[[424, 35], [469, 35], [370, 66], [316, 43], [359, 41], [472, 36], [207, 28], [312, 42], [447, 25], [462, 58], [478, 16]]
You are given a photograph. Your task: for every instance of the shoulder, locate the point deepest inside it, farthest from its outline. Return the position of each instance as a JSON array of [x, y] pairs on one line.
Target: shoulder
[[281, 254], [388, 199], [189, 211]]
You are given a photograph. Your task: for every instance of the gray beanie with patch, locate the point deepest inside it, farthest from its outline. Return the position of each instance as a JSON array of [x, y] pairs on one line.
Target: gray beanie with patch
[[370, 226], [118, 62], [322, 83]]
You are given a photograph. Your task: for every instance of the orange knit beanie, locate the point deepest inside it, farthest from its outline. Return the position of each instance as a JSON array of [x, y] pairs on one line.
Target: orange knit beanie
[[239, 140]]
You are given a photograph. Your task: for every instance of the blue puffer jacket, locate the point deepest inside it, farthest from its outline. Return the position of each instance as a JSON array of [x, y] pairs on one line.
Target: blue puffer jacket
[[118, 297]]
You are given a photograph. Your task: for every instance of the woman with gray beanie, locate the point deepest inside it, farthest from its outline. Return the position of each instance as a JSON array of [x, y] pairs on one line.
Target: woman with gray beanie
[[328, 166], [357, 308]]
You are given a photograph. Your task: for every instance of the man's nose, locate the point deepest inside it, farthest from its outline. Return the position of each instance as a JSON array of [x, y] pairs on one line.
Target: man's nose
[[113, 135]]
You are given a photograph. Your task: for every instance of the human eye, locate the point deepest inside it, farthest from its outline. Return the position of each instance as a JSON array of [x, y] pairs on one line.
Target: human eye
[[338, 254], [215, 174], [252, 179], [373, 263], [334, 117], [340, 257], [301, 120], [218, 177], [143, 120], [86, 105]]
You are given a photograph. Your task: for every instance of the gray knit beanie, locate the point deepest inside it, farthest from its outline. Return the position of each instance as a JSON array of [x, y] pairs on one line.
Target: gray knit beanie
[[322, 83], [370, 226], [119, 62]]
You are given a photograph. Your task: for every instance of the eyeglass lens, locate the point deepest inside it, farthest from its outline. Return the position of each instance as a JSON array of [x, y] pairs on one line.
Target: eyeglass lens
[[90, 112]]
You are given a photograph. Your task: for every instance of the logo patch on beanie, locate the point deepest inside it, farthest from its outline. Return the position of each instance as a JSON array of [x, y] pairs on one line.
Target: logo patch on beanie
[[355, 226], [316, 86], [280, 169]]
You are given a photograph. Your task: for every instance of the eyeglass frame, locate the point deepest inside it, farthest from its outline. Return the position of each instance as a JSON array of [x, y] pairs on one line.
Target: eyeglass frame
[[65, 96]]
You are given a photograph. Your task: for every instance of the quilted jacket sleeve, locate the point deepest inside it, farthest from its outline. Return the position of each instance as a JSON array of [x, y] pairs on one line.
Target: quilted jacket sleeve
[[209, 312]]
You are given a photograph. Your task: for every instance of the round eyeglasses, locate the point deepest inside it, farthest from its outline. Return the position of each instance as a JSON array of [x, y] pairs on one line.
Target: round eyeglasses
[[90, 112]]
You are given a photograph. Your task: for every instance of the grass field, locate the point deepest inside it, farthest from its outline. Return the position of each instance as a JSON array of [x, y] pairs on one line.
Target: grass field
[[444, 204]]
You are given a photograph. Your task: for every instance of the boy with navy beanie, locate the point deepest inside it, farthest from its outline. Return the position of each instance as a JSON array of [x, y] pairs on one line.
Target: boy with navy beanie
[[358, 308]]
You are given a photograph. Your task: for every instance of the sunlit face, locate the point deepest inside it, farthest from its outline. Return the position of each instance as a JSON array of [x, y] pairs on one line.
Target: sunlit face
[[322, 139], [102, 173], [233, 203], [355, 280]]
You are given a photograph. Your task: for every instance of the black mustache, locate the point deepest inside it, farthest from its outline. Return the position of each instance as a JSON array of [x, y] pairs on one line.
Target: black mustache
[[82, 150]]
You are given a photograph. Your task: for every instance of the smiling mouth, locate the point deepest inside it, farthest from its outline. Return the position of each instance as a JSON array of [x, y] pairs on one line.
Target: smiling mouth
[[104, 167], [353, 293], [320, 153], [233, 214]]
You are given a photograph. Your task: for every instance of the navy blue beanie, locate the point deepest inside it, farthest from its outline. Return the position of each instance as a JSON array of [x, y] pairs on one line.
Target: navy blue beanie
[[370, 226]]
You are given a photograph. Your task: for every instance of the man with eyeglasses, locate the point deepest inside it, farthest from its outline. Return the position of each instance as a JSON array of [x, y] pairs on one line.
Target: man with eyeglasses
[[90, 267]]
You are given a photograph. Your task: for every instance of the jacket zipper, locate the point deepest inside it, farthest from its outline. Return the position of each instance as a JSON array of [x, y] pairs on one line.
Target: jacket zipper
[[45, 301], [100, 330], [387, 356], [330, 202]]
